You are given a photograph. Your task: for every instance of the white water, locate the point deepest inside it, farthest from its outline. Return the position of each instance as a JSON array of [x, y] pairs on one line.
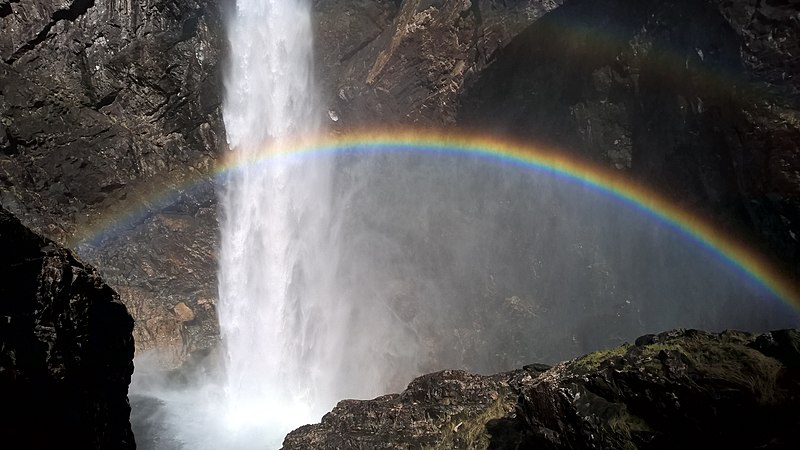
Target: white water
[[274, 226]]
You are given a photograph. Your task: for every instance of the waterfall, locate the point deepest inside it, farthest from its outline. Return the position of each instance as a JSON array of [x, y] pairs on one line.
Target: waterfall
[[274, 222]]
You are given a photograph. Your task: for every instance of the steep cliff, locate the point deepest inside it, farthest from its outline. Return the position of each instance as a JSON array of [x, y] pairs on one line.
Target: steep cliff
[[66, 349], [106, 108], [387, 63], [681, 389]]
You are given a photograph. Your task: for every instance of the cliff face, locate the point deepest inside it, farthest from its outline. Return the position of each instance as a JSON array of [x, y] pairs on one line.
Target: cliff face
[[388, 63], [104, 108], [66, 349], [681, 389], [698, 99]]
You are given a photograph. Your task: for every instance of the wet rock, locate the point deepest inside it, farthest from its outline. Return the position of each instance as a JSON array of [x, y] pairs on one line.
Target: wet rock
[[66, 349], [681, 389], [112, 120], [400, 63], [446, 409], [110, 116]]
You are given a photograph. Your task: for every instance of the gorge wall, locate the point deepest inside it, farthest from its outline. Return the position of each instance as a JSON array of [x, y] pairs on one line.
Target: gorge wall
[[106, 106]]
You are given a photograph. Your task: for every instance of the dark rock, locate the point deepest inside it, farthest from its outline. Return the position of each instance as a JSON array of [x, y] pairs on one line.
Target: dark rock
[[647, 339], [537, 367], [167, 260], [66, 349], [783, 345], [446, 409], [107, 106], [681, 389]]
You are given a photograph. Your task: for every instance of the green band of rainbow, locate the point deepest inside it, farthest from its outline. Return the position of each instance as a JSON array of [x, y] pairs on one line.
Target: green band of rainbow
[[702, 231]]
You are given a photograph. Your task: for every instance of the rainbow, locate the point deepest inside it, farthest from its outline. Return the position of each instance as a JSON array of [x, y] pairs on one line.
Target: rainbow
[[492, 149]]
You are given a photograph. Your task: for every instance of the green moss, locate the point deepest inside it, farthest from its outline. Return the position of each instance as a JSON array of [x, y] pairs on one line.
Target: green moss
[[730, 361], [624, 424], [594, 360], [740, 366], [470, 432], [654, 349]]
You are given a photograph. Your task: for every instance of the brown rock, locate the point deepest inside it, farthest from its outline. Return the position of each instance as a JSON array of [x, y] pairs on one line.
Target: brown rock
[[184, 313]]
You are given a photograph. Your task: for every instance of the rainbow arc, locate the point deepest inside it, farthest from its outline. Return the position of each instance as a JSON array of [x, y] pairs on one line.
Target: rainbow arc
[[494, 150]]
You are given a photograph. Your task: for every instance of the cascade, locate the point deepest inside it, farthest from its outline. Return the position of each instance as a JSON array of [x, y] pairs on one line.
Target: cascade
[[273, 220]]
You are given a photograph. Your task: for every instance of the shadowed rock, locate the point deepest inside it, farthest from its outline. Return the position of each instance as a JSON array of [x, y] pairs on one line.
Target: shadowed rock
[[66, 349]]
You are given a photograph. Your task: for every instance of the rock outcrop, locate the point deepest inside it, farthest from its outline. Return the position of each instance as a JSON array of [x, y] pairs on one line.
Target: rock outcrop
[[66, 348], [387, 63], [680, 389]]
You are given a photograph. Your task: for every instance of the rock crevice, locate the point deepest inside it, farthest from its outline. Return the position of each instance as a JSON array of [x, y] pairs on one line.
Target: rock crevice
[[76, 9]]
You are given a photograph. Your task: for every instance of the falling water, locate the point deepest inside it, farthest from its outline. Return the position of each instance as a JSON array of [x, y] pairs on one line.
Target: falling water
[[274, 221]]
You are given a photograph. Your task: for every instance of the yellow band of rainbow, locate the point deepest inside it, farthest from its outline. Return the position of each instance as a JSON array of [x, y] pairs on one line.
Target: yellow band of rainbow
[[702, 231]]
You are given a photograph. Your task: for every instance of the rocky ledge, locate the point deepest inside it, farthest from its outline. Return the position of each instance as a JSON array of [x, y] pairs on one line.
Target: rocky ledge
[[66, 348], [680, 389]]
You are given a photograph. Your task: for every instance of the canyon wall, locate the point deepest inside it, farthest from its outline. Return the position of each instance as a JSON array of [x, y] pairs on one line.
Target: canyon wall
[[105, 107]]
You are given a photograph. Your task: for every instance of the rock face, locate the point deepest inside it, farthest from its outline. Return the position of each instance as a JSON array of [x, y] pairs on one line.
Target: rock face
[[680, 389], [66, 349], [390, 63], [105, 107]]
